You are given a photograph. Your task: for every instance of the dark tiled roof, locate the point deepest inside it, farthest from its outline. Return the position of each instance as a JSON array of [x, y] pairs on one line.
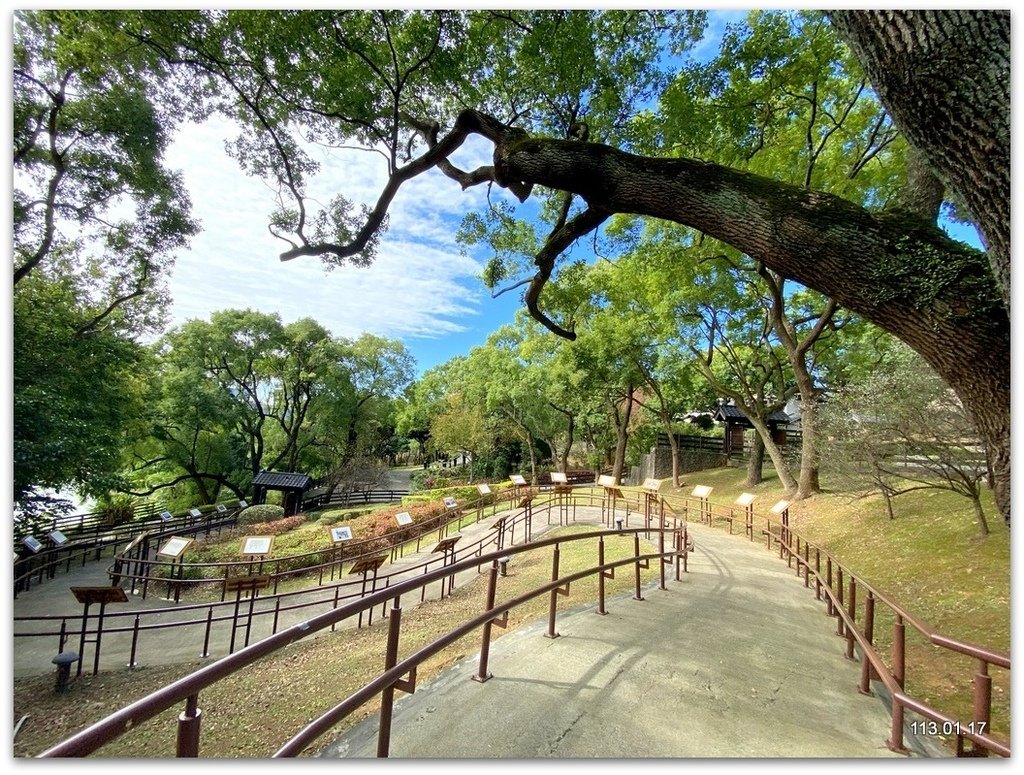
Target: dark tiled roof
[[732, 413], [282, 480]]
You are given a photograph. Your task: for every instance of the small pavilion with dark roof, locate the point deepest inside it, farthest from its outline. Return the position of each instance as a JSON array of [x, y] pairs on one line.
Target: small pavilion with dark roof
[[293, 486], [736, 423]]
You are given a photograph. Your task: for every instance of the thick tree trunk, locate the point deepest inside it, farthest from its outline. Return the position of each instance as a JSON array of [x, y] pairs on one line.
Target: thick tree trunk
[[810, 480], [785, 477], [621, 436], [944, 76], [755, 466]]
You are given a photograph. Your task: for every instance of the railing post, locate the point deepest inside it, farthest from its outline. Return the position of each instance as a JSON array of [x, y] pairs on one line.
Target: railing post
[[828, 581], [807, 565], [866, 671], [636, 565], [841, 601], [387, 696], [600, 577], [852, 610], [817, 573], [899, 674], [661, 560], [982, 703], [135, 642], [485, 643], [189, 722], [554, 597]]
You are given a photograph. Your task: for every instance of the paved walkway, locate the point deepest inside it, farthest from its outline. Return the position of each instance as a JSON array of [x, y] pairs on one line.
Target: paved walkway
[[737, 660]]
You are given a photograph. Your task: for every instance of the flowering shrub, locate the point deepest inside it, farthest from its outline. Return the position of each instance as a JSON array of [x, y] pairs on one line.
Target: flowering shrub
[[276, 527]]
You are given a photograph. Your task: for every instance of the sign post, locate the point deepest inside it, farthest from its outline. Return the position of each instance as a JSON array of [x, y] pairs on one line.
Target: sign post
[[365, 567], [562, 488], [88, 596], [174, 549], [446, 548], [746, 501], [701, 493]]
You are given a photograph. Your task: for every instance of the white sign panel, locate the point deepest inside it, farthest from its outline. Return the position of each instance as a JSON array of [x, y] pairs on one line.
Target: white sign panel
[[517, 479], [195, 512], [745, 499], [341, 534], [557, 477], [780, 507], [165, 516], [58, 537], [403, 518], [607, 481], [652, 484], [174, 546], [483, 489], [450, 502], [32, 544], [701, 491], [257, 544]]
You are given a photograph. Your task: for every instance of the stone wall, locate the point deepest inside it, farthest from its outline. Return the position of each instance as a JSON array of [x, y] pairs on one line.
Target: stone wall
[[658, 464]]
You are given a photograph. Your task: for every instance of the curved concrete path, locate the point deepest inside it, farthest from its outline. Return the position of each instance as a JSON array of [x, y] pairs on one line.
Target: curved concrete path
[[736, 660]]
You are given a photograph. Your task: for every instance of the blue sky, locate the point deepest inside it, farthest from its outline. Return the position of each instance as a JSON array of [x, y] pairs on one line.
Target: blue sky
[[423, 288]]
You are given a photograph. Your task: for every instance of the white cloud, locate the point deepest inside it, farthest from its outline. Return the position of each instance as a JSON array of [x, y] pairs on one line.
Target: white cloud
[[421, 284]]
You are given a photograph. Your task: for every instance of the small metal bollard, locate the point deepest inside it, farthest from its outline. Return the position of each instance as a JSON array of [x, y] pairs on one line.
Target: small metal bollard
[[64, 660], [503, 565]]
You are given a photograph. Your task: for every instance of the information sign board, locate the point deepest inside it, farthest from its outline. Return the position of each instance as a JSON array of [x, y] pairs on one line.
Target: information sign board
[[174, 547], [257, 545], [339, 534], [58, 538], [403, 518]]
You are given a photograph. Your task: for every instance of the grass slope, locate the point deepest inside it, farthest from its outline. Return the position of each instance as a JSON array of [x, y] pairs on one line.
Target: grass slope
[[931, 559]]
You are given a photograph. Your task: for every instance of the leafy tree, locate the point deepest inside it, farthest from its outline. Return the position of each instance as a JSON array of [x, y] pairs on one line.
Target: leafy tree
[[902, 429], [236, 395], [424, 399], [379, 370], [96, 221], [415, 85], [461, 429], [77, 396]]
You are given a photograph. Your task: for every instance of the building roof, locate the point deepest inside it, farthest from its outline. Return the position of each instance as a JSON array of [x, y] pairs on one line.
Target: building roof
[[282, 480], [727, 412]]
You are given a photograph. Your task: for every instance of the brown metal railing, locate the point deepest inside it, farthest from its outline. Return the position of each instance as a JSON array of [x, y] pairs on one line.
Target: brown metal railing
[[842, 591], [397, 675], [244, 616]]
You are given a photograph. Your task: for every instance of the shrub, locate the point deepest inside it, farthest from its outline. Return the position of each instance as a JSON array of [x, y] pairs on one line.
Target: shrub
[[264, 512], [276, 526], [117, 511]]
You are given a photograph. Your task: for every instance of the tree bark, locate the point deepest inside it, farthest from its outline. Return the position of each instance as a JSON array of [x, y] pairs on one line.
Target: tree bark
[[944, 77], [755, 466], [621, 434], [898, 271]]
